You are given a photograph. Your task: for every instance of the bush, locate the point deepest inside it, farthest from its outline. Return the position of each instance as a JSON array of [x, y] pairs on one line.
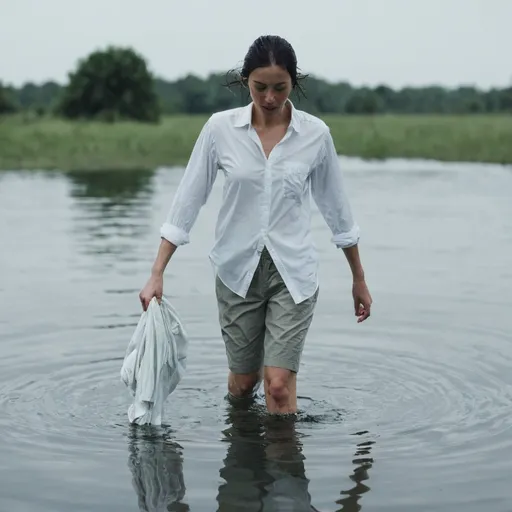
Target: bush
[[8, 104]]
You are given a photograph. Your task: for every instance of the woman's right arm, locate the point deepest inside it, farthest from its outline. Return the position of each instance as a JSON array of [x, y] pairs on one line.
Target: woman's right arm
[[155, 284], [192, 193]]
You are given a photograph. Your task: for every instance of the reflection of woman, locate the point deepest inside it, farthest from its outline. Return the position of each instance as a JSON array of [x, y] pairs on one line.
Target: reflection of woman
[[157, 469], [263, 469], [264, 466], [363, 462]]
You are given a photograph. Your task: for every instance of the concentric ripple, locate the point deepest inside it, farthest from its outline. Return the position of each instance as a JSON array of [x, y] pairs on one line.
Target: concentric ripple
[[74, 399], [65, 403], [424, 393]]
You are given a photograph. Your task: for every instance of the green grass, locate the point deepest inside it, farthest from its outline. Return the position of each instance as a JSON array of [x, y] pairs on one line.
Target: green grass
[[471, 138], [64, 145], [56, 144]]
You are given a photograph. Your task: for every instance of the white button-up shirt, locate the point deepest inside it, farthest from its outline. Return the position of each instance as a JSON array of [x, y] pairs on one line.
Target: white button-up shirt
[[266, 202]]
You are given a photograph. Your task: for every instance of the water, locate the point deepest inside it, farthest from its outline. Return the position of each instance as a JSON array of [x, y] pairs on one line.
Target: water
[[409, 411]]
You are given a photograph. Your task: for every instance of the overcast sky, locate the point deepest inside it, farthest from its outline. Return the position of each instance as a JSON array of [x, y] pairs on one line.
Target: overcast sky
[[396, 42]]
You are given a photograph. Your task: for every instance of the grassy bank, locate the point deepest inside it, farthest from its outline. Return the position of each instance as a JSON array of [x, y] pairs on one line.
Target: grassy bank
[[57, 144], [448, 138]]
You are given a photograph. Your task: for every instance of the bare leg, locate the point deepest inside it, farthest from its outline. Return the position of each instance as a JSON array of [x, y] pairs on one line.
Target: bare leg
[[280, 390]]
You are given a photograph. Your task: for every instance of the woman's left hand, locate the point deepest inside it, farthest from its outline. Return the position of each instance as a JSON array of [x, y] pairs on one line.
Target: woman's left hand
[[362, 300]]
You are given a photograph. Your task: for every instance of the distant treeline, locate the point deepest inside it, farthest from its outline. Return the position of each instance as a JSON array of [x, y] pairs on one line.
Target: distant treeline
[[194, 95], [117, 81]]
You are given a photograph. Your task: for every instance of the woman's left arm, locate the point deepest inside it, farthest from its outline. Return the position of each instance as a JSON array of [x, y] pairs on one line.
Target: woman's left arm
[[360, 292], [328, 190]]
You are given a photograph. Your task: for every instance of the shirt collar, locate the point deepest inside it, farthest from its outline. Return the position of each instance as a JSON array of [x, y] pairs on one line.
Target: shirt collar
[[245, 116]]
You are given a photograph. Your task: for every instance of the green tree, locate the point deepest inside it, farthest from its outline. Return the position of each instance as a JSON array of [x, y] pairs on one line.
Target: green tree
[[33, 97], [111, 84], [8, 104], [364, 101]]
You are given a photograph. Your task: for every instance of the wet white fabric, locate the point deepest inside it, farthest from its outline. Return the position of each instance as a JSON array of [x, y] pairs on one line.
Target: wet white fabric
[[154, 362], [266, 201]]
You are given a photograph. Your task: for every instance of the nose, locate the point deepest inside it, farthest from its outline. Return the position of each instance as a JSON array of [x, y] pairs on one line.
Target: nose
[[269, 97]]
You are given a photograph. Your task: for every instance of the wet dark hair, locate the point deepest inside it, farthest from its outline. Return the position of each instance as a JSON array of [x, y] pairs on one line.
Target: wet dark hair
[[267, 51]]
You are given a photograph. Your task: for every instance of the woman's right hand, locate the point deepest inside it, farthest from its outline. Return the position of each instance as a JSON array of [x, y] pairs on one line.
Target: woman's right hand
[[154, 288]]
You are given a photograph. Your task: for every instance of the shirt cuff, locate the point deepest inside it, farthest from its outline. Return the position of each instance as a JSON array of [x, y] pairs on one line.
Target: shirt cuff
[[347, 239], [174, 234]]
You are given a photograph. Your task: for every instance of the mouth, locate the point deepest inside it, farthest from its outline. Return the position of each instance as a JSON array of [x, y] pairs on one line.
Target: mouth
[[269, 109]]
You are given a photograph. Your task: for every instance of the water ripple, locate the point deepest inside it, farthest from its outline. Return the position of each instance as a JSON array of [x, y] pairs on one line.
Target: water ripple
[[450, 406]]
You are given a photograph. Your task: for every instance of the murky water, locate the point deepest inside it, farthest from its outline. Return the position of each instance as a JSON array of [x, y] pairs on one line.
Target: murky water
[[410, 411]]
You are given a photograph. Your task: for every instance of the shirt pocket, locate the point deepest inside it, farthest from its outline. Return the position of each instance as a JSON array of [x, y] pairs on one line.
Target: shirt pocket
[[295, 177]]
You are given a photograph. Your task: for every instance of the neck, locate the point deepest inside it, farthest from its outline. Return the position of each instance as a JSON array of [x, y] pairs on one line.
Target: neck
[[261, 120]]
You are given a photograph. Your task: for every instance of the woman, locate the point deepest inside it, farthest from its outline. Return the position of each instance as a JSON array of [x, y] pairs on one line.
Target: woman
[[272, 156]]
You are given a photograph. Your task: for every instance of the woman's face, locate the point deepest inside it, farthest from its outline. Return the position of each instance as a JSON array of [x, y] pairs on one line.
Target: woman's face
[[270, 88]]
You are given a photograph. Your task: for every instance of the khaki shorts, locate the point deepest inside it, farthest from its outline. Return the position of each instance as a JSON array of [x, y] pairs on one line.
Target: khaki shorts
[[266, 328]]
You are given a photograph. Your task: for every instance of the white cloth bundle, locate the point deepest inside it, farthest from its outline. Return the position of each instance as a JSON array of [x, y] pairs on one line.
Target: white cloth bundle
[[154, 362]]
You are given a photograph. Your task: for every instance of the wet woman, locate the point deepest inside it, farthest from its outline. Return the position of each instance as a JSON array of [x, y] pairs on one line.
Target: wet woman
[[273, 157]]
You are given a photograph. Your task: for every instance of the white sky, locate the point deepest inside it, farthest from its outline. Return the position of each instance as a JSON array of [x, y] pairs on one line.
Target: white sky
[[396, 42]]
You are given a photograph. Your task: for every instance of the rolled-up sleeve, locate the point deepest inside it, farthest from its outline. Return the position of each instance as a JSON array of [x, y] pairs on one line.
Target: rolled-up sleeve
[[193, 190], [328, 191]]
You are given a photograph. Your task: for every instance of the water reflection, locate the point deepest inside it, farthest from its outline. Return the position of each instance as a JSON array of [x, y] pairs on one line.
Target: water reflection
[[263, 470], [264, 465], [112, 210], [363, 463], [119, 187], [156, 464]]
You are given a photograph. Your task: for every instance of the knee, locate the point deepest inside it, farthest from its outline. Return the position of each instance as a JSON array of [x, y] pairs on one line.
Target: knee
[[242, 386], [278, 390]]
